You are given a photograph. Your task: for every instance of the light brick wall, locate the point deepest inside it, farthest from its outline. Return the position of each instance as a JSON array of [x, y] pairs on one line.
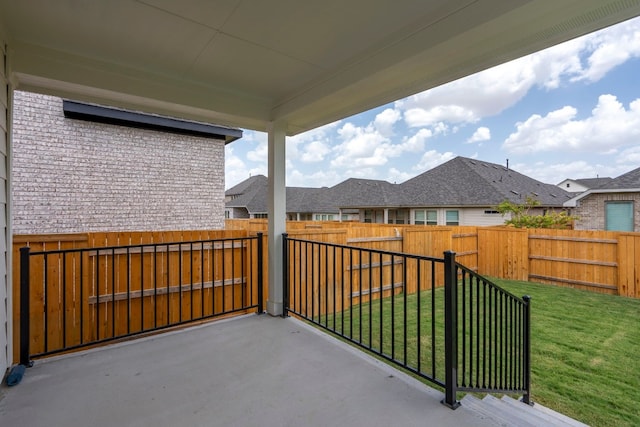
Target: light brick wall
[[76, 176], [591, 210]]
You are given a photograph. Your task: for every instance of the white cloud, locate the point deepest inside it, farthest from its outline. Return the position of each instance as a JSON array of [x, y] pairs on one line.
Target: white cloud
[[630, 158], [610, 127], [492, 91], [385, 120], [260, 151], [557, 172], [236, 170], [431, 159], [481, 134], [610, 48], [366, 147], [315, 152], [396, 176], [439, 113], [323, 178]]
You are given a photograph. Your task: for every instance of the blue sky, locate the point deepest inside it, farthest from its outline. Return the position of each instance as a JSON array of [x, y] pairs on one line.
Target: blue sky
[[570, 111]]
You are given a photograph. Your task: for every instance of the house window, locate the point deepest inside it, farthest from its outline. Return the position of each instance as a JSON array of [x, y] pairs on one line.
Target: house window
[[374, 216], [428, 217], [260, 215], [397, 216], [619, 216], [452, 218], [227, 214]]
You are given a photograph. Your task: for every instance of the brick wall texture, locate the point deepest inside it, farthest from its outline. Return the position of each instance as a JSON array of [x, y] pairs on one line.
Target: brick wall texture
[[592, 210], [76, 176]]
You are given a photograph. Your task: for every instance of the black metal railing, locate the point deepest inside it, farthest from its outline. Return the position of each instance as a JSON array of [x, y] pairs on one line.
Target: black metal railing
[[494, 337], [388, 303], [431, 316], [74, 298]]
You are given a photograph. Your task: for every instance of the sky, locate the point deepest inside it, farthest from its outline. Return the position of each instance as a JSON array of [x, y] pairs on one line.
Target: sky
[[570, 111]]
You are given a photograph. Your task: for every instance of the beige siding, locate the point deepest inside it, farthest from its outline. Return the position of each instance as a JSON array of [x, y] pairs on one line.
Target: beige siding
[[466, 216], [477, 216], [5, 300]]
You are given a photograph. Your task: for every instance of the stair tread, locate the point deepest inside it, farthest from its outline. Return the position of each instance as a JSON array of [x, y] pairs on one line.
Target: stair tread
[[543, 409], [503, 417], [552, 416], [514, 413], [508, 411]]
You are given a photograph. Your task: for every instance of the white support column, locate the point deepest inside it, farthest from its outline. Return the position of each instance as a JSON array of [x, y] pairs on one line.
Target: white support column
[[277, 214], [385, 217]]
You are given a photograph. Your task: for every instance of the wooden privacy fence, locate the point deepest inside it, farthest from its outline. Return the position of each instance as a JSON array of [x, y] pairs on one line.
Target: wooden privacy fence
[[600, 261], [91, 288]]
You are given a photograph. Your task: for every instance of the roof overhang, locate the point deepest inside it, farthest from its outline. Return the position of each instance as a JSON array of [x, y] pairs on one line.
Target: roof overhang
[[573, 202], [252, 62], [114, 116]]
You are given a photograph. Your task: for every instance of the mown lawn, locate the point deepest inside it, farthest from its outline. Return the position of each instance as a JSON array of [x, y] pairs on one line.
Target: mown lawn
[[585, 353], [585, 346]]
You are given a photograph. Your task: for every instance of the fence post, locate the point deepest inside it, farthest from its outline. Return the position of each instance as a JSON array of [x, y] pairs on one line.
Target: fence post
[[260, 275], [24, 307], [285, 275], [526, 397], [450, 330]]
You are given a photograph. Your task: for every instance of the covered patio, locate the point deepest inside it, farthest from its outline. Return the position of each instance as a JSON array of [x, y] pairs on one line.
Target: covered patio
[[247, 371], [276, 66]]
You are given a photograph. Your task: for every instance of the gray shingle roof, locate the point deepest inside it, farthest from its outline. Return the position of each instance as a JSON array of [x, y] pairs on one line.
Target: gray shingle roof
[[250, 194], [246, 184], [627, 181], [469, 182], [356, 192], [594, 182], [458, 182]]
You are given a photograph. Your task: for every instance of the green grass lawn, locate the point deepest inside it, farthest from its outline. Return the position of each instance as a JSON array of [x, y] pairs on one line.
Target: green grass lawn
[[585, 347], [585, 353]]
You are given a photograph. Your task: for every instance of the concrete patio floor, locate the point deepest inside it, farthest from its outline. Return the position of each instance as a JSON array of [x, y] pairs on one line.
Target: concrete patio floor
[[248, 371]]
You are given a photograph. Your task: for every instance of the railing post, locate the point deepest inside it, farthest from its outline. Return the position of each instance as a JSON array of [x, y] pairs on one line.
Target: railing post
[[526, 397], [24, 306], [260, 275], [285, 275], [450, 330]]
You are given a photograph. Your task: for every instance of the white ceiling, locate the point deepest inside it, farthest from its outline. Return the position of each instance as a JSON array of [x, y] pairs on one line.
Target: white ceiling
[[248, 62]]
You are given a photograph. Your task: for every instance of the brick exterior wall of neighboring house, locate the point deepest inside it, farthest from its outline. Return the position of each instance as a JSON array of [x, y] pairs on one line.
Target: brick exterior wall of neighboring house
[[591, 210], [77, 176]]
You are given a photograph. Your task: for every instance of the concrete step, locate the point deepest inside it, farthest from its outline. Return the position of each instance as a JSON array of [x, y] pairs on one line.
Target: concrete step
[[540, 409], [511, 412]]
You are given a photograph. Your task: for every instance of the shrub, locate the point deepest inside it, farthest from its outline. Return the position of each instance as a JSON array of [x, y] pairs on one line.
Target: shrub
[[521, 218]]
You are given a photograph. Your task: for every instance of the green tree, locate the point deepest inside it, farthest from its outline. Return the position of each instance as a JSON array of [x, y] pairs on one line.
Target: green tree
[[521, 218]]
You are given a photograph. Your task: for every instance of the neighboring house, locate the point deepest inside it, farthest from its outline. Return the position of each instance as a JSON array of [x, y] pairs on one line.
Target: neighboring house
[[248, 199], [462, 191], [612, 206], [583, 184], [82, 167]]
